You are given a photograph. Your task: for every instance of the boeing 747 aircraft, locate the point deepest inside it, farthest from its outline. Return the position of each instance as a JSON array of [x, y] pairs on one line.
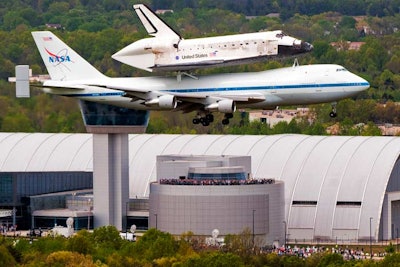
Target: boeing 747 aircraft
[[168, 51], [73, 76]]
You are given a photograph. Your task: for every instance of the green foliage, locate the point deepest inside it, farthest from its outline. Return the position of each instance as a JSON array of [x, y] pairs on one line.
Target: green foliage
[[82, 242], [391, 248], [331, 259], [215, 259], [241, 244], [6, 258], [155, 244], [69, 259], [108, 237], [391, 260]]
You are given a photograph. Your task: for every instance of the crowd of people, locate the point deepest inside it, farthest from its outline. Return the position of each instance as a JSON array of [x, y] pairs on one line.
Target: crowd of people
[[215, 181], [304, 252]]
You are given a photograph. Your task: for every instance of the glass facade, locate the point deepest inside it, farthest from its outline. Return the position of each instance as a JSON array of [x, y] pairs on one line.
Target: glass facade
[[6, 188], [217, 176], [16, 188], [102, 114]]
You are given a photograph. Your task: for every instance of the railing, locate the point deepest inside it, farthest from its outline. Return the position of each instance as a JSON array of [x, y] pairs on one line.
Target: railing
[[215, 182]]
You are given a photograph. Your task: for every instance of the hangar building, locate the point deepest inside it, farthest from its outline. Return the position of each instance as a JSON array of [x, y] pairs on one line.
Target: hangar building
[[336, 187]]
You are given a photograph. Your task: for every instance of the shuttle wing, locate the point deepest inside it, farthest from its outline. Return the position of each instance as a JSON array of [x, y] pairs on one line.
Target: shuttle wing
[[154, 25]]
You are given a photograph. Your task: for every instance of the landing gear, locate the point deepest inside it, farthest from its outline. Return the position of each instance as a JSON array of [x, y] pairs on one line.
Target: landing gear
[[228, 116], [333, 113], [204, 120]]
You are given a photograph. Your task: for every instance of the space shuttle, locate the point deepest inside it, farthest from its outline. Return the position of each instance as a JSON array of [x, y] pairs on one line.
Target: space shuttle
[[166, 50]]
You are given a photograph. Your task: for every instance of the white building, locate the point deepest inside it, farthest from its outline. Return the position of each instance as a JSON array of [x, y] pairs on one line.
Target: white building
[[336, 187]]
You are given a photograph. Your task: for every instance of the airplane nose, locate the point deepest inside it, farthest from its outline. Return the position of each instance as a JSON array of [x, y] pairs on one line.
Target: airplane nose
[[365, 84]]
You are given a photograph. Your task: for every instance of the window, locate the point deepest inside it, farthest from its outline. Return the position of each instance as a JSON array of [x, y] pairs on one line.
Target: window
[[348, 203], [6, 188], [304, 202]]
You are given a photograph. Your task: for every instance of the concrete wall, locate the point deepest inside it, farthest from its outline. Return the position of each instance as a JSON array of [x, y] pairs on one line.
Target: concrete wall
[[200, 209]]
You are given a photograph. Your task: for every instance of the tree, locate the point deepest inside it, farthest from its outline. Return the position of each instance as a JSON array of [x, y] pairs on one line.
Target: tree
[[155, 244], [215, 259], [107, 236], [241, 244], [16, 123], [331, 259], [81, 243], [69, 259]]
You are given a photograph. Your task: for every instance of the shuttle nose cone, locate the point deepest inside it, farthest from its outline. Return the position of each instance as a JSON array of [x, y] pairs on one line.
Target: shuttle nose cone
[[298, 47], [306, 47]]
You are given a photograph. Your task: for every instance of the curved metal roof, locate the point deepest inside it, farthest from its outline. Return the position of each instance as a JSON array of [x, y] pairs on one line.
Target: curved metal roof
[[319, 171], [39, 152]]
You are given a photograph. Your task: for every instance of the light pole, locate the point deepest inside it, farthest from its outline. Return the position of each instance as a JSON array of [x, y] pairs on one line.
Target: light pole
[[73, 201], [284, 222], [88, 217], [155, 214], [370, 237], [253, 227], [126, 220]]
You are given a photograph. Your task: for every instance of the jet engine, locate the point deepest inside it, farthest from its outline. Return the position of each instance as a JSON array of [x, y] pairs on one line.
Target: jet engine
[[164, 102], [224, 106]]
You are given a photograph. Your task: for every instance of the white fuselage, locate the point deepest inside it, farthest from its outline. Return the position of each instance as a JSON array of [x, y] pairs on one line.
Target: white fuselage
[[285, 86], [180, 54]]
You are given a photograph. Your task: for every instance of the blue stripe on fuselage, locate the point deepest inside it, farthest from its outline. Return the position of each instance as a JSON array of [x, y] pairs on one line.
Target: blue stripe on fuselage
[[272, 87], [225, 89]]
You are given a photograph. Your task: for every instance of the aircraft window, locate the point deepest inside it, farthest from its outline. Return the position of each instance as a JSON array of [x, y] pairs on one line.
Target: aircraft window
[[341, 69], [247, 43], [280, 35]]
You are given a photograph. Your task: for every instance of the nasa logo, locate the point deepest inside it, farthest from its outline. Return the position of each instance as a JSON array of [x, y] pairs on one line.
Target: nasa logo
[[59, 59], [53, 58]]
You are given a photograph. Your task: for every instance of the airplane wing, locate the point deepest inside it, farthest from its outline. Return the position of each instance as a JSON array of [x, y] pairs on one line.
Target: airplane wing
[[187, 102], [154, 25]]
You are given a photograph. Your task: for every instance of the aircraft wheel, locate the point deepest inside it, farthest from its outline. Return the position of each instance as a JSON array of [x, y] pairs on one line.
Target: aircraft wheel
[[225, 121], [205, 122], [210, 117], [332, 114], [228, 115], [196, 121]]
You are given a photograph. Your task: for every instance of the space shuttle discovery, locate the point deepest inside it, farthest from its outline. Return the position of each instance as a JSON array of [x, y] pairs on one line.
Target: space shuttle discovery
[[72, 76], [166, 50]]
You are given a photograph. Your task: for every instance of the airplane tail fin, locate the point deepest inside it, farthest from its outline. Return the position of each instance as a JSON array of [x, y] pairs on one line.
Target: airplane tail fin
[[154, 25], [62, 62]]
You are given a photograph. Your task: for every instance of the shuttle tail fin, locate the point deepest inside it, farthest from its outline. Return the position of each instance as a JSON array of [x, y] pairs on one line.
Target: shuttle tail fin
[[61, 61], [154, 25]]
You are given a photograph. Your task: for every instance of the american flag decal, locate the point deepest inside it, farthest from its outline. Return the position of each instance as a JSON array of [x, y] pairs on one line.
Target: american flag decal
[[213, 54], [47, 38]]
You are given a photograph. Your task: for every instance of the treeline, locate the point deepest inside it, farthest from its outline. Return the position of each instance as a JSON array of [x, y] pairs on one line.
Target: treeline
[[105, 247], [287, 8]]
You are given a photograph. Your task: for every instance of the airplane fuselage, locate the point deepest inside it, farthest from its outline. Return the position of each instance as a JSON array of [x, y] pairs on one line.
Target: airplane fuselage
[[285, 86]]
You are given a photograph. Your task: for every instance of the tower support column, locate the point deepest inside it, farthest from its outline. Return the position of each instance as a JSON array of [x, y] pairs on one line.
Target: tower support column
[[110, 179]]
